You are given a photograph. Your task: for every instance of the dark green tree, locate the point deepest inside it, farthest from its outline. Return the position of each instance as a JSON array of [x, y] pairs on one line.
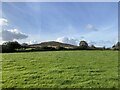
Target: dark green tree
[[24, 45], [116, 46], [83, 45], [10, 46]]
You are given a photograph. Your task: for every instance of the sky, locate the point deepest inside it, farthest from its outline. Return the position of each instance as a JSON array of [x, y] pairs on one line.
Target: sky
[[67, 22]]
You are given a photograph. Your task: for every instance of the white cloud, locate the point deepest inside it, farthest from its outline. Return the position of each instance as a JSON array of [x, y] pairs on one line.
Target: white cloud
[[67, 40], [3, 22], [11, 35], [32, 42], [102, 43], [91, 27]]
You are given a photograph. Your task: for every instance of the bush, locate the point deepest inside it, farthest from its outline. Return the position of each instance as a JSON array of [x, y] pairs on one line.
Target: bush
[[60, 48], [45, 48], [10, 46]]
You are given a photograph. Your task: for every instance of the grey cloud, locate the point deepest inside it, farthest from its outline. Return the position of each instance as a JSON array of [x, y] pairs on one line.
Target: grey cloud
[[10, 35], [32, 42], [3, 22], [101, 42], [67, 40]]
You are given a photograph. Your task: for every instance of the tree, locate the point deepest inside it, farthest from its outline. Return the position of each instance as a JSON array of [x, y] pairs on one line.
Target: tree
[[83, 45], [0, 48], [92, 47], [10, 46], [116, 46], [104, 48], [24, 45], [113, 46]]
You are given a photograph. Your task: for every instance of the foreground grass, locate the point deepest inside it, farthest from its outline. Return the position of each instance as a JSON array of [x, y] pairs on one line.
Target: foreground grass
[[60, 69]]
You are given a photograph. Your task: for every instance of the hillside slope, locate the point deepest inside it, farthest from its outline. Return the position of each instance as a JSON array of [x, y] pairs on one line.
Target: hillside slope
[[52, 44]]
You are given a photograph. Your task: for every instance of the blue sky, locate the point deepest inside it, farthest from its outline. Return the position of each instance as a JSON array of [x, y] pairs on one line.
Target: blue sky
[[96, 23]]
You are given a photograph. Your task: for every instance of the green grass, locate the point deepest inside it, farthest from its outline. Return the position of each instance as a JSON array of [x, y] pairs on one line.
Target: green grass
[[60, 69]]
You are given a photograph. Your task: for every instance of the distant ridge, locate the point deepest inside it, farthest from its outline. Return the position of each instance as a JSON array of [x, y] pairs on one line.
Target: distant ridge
[[52, 44]]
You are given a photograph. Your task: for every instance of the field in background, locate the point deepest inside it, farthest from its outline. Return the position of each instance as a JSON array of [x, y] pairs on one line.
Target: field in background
[[60, 69]]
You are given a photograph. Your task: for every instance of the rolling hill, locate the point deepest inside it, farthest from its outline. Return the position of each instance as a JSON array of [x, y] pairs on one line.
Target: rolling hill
[[52, 44]]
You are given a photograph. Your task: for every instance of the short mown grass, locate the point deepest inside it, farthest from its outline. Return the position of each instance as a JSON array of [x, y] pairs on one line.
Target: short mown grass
[[60, 69]]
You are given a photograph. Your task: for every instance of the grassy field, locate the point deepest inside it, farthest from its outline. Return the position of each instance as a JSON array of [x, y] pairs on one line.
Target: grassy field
[[60, 69]]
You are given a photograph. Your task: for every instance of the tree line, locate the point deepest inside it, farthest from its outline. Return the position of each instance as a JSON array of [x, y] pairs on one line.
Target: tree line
[[83, 45]]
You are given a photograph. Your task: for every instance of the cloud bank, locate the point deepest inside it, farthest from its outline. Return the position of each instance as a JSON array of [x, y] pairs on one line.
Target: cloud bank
[[101, 43], [32, 42], [67, 40], [10, 35], [3, 22]]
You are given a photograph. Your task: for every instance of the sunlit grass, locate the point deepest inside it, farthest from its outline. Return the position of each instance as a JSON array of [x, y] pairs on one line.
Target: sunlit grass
[[60, 69]]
